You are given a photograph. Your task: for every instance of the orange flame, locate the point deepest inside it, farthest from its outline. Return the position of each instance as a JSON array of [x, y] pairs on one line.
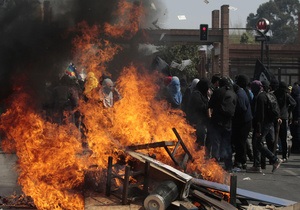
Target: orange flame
[[49, 165], [127, 25]]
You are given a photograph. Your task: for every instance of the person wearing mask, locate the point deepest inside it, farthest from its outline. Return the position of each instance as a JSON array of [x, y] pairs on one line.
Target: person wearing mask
[[174, 96], [222, 104], [241, 122], [187, 95], [108, 93], [286, 104], [198, 110], [263, 124]]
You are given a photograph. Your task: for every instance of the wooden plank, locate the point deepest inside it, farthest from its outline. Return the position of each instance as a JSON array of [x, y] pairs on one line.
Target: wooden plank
[[151, 145], [182, 144], [220, 204]]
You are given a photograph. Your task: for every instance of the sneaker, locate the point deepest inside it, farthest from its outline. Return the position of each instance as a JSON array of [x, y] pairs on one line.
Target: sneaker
[[254, 169], [276, 164], [284, 160], [236, 169]]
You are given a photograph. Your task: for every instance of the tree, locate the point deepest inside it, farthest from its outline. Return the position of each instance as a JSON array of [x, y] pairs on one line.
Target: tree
[[283, 17], [246, 38], [178, 53]]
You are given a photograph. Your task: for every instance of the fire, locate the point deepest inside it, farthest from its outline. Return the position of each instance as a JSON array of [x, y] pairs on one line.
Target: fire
[[127, 25], [48, 161], [52, 163]]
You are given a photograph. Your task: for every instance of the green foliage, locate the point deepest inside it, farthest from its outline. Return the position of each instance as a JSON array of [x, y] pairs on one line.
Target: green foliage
[[178, 53], [247, 38], [283, 17]]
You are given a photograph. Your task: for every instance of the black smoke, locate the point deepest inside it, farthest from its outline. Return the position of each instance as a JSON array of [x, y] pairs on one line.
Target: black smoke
[[36, 45]]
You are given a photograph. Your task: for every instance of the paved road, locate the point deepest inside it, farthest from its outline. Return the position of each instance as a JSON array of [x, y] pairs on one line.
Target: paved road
[[284, 183]]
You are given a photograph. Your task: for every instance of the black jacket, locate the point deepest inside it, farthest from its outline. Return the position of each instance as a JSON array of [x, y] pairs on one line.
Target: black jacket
[[223, 102], [260, 113], [197, 111], [286, 103]]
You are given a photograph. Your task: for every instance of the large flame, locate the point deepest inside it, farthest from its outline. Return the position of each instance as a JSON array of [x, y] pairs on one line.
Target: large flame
[[48, 155], [52, 163]]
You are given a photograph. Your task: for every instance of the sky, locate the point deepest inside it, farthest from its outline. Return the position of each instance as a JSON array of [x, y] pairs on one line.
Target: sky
[[198, 12]]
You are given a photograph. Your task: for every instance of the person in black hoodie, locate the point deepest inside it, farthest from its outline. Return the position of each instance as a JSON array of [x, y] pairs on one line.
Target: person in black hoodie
[[263, 124], [295, 125], [198, 110], [286, 104], [241, 122], [222, 103]]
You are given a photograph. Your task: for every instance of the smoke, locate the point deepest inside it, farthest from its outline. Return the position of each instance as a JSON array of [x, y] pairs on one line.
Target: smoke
[[32, 42]]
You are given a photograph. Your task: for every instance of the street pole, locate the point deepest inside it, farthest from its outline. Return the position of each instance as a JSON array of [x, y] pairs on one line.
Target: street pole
[[262, 52]]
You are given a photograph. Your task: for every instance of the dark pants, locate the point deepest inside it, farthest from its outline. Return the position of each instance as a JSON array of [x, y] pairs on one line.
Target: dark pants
[[283, 137], [295, 132], [239, 138], [260, 146], [220, 141], [201, 132]]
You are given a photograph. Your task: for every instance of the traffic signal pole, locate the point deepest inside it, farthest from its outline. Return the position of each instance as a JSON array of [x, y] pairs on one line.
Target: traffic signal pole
[[262, 27]]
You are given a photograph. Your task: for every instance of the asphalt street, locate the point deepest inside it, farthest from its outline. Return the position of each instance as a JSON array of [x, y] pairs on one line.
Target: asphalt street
[[283, 183]]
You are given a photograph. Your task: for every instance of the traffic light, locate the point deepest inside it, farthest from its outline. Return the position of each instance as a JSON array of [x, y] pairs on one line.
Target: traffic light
[[203, 32]]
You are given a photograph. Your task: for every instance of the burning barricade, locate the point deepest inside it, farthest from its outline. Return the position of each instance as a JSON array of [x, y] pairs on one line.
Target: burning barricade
[[58, 159]]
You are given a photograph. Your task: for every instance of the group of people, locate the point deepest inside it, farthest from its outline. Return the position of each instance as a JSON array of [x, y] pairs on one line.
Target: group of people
[[63, 97], [225, 113]]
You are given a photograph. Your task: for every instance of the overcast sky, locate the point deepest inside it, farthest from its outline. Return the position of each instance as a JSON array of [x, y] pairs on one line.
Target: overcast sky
[[197, 12]]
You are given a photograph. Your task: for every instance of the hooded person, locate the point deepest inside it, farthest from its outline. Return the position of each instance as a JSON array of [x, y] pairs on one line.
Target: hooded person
[[286, 105], [91, 84], [256, 87], [108, 93], [197, 111], [241, 123], [295, 125], [222, 103], [187, 94], [174, 93], [263, 128]]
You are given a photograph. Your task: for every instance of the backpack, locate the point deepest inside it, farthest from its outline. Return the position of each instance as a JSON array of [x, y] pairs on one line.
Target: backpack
[[272, 106], [228, 103]]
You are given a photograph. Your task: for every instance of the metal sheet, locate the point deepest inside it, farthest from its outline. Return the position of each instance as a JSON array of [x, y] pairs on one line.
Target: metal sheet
[[245, 193]]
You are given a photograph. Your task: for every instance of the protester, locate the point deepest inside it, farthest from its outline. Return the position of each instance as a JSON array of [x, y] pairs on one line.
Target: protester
[[108, 93], [65, 95], [263, 124], [214, 83], [198, 110], [222, 103], [286, 105], [295, 125], [174, 96], [241, 122], [91, 86], [187, 95], [271, 138]]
